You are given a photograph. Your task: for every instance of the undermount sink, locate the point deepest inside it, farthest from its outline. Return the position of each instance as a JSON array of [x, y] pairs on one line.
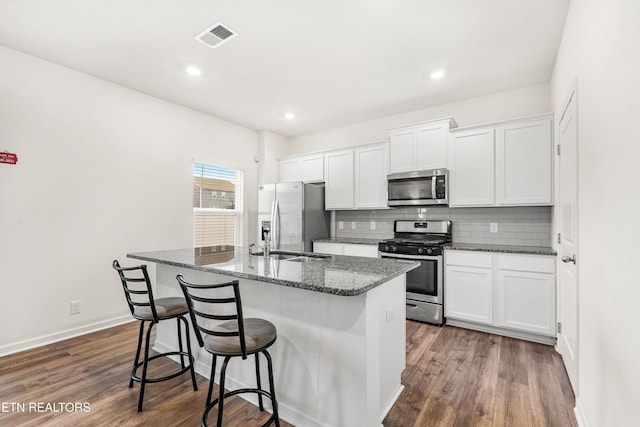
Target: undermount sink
[[293, 256]]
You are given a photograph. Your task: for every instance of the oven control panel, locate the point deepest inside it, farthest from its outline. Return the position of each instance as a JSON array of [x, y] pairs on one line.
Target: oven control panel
[[394, 248]]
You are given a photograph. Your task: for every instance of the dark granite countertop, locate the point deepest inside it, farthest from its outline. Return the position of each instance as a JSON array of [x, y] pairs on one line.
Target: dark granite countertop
[[350, 240], [335, 274], [509, 249]]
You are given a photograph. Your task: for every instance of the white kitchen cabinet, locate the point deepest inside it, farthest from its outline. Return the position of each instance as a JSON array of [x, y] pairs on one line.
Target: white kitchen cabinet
[[524, 163], [350, 249], [507, 292], [468, 291], [471, 165], [420, 146], [371, 169], [508, 163], [306, 168], [339, 180], [526, 293], [357, 178]]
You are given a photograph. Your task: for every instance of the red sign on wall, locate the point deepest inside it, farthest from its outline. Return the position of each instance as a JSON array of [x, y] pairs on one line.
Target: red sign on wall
[[8, 158]]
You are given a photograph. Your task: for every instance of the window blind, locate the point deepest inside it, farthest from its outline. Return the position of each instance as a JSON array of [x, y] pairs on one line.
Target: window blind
[[218, 195]]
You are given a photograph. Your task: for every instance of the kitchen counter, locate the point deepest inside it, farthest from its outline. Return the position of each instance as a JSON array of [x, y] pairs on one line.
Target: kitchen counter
[[335, 274], [509, 249], [341, 347], [350, 240]]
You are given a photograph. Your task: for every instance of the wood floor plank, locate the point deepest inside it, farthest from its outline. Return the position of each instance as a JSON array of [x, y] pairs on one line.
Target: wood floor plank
[[454, 377]]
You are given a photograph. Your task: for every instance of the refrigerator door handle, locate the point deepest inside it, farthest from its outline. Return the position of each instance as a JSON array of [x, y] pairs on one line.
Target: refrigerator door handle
[[272, 225], [276, 226]]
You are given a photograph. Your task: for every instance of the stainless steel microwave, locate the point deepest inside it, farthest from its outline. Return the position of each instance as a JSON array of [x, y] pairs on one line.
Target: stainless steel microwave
[[427, 187]]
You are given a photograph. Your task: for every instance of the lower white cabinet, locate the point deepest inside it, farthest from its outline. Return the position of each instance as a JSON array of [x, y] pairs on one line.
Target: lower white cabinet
[[511, 291], [468, 291], [526, 292], [370, 251]]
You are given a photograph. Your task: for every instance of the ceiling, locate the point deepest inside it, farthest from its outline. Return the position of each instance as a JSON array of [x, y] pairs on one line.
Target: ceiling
[[330, 62]]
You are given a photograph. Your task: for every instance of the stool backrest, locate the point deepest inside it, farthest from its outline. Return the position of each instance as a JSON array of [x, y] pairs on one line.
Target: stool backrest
[[194, 294], [136, 295]]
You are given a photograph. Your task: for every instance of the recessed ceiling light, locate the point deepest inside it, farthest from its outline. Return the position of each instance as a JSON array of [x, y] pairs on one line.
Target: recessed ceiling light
[[438, 74], [193, 71], [289, 116]]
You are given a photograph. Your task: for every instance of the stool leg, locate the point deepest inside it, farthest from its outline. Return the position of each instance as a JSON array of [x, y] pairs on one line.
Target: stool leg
[[221, 393], [137, 351], [258, 381], [211, 379], [143, 379], [272, 389], [191, 358], [180, 342]]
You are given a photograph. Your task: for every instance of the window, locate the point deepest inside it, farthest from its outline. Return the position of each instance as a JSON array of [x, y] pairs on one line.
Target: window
[[217, 207]]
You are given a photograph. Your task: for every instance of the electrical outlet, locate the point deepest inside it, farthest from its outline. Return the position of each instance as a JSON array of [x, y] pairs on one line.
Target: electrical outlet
[[341, 225], [372, 225], [493, 227], [353, 225], [75, 307]]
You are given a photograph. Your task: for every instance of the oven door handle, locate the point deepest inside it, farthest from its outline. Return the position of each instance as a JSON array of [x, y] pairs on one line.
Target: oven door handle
[[406, 256]]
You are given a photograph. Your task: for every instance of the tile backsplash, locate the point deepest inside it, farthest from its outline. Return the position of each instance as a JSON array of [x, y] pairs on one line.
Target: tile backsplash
[[526, 226]]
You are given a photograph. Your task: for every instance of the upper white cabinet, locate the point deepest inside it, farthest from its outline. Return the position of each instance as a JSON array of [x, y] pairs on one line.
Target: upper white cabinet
[[524, 163], [502, 164], [471, 167], [306, 168], [420, 146], [371, 169], [339, 177], [357, 178]]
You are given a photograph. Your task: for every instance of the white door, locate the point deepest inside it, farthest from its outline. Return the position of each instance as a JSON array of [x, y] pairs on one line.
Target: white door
[[568, 284]]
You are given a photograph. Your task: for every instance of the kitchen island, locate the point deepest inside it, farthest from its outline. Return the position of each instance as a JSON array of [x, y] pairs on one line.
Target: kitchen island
[[341, 327]]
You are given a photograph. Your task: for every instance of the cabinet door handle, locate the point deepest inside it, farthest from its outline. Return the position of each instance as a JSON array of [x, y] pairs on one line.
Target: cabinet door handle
[[567, 259]]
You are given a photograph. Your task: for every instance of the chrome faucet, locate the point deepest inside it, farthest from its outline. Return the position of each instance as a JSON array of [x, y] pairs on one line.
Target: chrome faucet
[[251, 245]]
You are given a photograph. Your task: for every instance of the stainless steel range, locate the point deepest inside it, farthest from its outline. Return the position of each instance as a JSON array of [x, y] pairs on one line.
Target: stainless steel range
[[421, 241]]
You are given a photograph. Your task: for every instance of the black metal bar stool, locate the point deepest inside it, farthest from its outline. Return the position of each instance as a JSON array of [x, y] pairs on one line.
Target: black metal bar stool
[[236, 336], [139, 295]]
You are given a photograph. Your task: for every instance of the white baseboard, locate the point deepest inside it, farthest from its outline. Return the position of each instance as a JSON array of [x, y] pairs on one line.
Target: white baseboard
[[582, 421], [542, 339], [62, 335], [392, 402]]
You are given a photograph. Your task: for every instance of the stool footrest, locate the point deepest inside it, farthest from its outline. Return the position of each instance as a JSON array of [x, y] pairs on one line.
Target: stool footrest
[[186, 368], [214, 402]]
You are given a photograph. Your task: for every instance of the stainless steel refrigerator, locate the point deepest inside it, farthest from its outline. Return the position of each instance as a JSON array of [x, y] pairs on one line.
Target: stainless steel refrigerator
[[294, 215]]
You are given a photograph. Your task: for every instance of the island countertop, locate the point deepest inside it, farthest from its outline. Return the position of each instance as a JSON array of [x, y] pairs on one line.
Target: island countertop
[[336, 274]]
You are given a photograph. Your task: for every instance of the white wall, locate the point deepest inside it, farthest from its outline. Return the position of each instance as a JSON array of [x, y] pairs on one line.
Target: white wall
[[601, 48], [519, 102], [102, 171], [271, 146]]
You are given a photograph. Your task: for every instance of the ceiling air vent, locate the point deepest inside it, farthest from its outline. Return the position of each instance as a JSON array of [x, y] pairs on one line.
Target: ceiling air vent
[[216, 35]]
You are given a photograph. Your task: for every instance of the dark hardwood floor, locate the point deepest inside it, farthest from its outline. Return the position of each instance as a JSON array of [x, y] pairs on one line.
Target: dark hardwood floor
[[454, 377], [458, 377]]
